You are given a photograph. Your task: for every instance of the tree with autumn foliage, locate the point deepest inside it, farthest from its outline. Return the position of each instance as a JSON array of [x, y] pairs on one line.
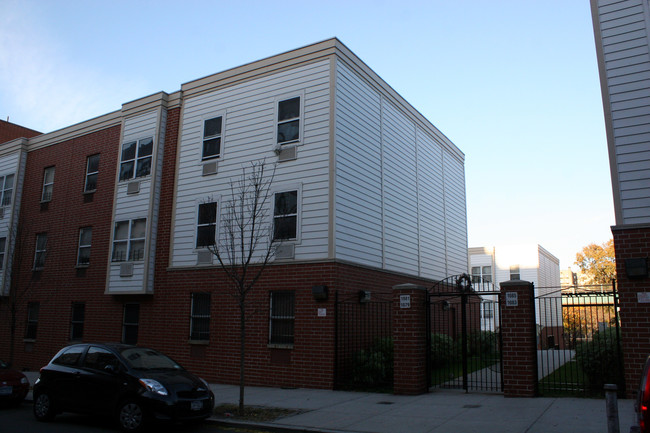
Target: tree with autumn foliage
[[598, 262]]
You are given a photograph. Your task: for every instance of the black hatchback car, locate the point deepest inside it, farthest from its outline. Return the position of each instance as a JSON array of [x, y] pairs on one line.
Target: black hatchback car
[[135, 385]]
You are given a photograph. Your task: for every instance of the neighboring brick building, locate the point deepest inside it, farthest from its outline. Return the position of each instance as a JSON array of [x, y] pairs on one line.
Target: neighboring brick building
[[623, 48], [10, 131], [114, 213]]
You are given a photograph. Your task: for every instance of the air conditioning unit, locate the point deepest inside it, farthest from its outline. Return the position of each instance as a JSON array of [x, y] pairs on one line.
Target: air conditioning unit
[[210, 168], [204, 257], [133, 187], [285, 251], [126, 269], [288, 154]]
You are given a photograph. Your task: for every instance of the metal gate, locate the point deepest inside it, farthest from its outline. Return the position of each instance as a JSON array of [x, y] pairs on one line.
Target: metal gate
[[578, 340], [363, 342], [463, 335]]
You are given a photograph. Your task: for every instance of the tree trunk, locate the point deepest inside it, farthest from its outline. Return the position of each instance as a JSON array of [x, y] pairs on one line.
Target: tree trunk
[[242, 343]]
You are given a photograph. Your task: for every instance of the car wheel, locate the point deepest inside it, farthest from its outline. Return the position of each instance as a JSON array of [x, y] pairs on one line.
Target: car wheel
[[130, 416], [43, 407]]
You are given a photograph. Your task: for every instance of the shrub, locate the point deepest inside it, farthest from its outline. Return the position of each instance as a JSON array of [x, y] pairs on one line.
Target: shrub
[[374, 365], [483, 343], [598, 358], [443, 350]]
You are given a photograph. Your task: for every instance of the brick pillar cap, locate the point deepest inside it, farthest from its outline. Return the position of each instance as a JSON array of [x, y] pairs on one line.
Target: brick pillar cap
[[515, 283], [408, 286]]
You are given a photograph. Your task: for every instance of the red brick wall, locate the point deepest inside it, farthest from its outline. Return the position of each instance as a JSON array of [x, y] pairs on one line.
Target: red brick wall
[[410, 342], [633, 242], [60, 283], [11, 131]]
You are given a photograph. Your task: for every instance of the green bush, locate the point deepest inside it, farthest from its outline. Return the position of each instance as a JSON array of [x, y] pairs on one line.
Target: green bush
[[483, 343], [598, 358], [444, 350], [374, 365]]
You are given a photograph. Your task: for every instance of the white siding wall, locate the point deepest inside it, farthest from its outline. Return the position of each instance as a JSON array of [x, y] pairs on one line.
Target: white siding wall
[[134, 206], [249, 133], [13, 163], [400, 194], [627, 66]]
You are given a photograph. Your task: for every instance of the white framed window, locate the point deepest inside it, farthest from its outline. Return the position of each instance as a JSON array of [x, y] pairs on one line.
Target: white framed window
[[282, 317], [136, 159], [92, 172], [212, 137], [481, 274], [128, 240], [206, 226], [3, 246], [514, 272], [285, 215], [48, 184], [289, 120], [200, 317], [41, 250], [85, 240], [7, 186]]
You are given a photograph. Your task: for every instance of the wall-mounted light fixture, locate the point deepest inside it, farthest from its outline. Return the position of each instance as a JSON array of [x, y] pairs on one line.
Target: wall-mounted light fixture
[[320, 293], [636, 268], [364, 296]]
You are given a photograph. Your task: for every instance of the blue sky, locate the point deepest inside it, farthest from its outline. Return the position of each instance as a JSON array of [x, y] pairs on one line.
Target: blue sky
[[514, 84]]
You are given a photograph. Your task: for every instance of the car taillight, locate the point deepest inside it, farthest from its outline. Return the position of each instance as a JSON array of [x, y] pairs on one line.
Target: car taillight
[[644, 402]]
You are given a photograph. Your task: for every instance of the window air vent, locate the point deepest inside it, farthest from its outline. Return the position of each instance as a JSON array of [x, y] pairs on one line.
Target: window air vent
[[288, 154], [210, 168], [204, 258], [133, 187], [126, 269], [285, 251]]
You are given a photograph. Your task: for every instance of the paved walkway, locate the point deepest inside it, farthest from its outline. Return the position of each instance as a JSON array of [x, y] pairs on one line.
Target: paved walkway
[[436, 412]]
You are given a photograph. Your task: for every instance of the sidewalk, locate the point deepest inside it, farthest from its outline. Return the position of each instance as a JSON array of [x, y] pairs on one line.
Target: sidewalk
[[436, 412]]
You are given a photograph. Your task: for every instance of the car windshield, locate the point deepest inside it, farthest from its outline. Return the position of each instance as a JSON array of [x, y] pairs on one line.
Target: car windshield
[[148, 359]]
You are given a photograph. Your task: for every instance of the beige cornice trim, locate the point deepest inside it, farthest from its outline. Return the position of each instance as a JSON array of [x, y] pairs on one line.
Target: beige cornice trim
[[13, 146]]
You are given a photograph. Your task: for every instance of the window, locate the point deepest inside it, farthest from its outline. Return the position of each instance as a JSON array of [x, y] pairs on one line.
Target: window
[[514, 273], [7, 185], [92, 171], [282, 318], [481, 274], [32, 320], [212, 138], [41, 248], [48, 184], [98, 359], [206, 225], [70, 357], [77, 321], [487, 309], [285, 215], [130, 323], [200, 317], [128, 240], [289, 120], [3, 245], [85, 239], [136, 159]]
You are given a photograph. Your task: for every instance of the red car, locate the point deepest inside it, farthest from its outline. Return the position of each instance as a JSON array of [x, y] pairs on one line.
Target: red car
[[643, 399], [13, 384]]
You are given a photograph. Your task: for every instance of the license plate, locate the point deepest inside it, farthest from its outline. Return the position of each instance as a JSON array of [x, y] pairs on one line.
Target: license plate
[[6, 390], [196, 405]]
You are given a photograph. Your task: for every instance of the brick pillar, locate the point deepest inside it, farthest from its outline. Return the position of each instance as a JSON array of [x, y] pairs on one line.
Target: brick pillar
[[409, 339], [518, 339]]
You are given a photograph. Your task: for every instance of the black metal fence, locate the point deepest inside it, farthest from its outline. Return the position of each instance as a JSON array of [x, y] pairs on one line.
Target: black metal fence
[[579, 347], [364, 344]]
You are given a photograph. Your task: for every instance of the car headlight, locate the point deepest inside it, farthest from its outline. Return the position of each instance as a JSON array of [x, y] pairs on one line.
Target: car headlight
[[205, 383], [24, 380], [153, 386]]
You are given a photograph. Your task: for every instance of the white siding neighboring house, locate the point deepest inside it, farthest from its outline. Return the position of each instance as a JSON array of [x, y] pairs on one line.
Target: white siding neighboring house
[[530, 263]]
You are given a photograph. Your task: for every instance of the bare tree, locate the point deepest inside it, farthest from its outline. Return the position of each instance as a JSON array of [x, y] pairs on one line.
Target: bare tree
[[247, 243]]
